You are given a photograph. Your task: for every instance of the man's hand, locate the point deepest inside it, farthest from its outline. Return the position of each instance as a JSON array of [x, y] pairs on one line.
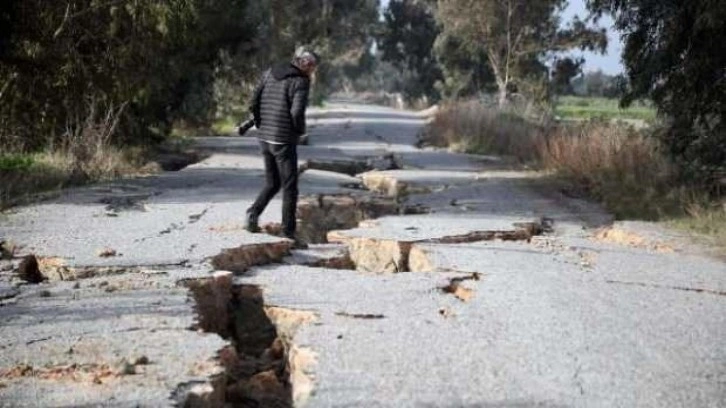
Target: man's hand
[[245, 126]]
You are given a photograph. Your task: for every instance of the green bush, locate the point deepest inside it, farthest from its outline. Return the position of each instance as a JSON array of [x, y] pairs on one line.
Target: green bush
[[16, 162], [65, 64]]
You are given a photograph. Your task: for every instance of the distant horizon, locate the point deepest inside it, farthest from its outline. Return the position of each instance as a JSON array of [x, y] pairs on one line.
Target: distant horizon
[[609, 63]]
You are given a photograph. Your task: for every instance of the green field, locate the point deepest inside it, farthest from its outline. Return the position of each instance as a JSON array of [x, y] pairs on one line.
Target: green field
[[583, 108]]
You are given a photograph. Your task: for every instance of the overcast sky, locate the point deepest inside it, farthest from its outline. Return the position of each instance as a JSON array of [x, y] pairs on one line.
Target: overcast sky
[[610, 62]]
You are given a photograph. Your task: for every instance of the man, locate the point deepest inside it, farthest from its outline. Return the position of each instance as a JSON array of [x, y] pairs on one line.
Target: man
[[278, 108]]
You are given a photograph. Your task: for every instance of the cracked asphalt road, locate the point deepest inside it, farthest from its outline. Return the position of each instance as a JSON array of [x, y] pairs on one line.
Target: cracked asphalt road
[[571, 318]]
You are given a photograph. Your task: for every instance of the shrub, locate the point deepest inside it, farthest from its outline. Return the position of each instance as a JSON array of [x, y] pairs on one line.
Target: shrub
[[86, 154], [624, 167], [472, 127], [617, 164], [15, 162]]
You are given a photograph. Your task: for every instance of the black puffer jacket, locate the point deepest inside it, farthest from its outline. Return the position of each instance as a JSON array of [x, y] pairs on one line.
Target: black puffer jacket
[[279, 104]]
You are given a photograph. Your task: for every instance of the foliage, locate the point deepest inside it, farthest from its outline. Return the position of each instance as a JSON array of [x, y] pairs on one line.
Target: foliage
[[155, 58], [177, 62], [599, 84], [586, 108], [408, 35], [706, 219], [465, 73], [15, 162], [621, 166], [340, 31], [482, 47], [24, 175], [675, 55], [474, 127], [515, 35], [563, 72], [616, 164]]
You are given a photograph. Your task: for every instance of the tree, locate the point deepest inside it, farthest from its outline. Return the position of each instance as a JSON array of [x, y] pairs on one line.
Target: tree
[[599, 84], [675, 55], [408, 36], [514, 34], [341, 31], [464, 73], [563, 72], [65, 64]]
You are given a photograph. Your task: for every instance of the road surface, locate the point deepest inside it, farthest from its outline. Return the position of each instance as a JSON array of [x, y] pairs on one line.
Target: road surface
[[435, 280]]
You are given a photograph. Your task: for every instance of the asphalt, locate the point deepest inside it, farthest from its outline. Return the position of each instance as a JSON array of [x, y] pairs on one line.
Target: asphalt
[[590, 313]]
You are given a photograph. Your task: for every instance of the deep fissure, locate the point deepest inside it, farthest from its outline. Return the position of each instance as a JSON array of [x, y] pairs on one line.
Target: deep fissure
[[256, 365]]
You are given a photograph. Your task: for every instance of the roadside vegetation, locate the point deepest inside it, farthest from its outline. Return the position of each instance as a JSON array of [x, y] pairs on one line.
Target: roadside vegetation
[[649, 143], [92, 90], [624, 167], [84, 154], [24, 175], [586, 108]]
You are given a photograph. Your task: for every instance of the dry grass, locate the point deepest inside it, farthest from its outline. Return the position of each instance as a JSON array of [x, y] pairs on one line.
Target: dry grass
[[707, 221], [53, 170], [616, 164], [473, 128], [86, 155], [17, 184]]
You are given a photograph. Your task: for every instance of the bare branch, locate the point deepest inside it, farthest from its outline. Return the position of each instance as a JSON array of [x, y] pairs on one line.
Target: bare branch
[[63, 23]]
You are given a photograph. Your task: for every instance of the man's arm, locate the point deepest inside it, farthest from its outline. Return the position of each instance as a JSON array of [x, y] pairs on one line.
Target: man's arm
[[300, 104], [257, 99]]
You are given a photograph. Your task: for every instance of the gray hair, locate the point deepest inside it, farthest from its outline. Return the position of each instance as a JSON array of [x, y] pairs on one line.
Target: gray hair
[[304, 54]]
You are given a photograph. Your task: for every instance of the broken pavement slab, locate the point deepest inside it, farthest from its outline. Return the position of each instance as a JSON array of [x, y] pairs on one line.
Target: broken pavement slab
[[321, 214], [330, 256], [242, 258], [189, 243], [263, 250], [91, 326], [325, 182], [385, 246], [404, 182], [567, 324], [348, 166], [401, 183]]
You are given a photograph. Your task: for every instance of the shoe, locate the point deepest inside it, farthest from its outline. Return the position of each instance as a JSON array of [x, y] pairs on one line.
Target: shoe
[[251, 223], [296, 243]]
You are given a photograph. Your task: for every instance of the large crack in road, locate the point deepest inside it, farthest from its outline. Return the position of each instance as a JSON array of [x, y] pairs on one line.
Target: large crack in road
[[263, 366], [260, 368], [417, 259]]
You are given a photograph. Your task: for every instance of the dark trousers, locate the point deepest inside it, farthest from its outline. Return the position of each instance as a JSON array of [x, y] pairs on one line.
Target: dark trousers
[[280, 172]]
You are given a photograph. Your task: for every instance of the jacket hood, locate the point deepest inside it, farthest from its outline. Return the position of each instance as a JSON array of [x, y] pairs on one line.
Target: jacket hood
[[282, 71]]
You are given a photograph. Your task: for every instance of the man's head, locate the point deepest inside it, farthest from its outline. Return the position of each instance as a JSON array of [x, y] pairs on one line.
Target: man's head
[[306, 60]]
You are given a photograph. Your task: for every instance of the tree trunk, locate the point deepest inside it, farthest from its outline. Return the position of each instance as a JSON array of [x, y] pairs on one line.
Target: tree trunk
[[502, 94], [499, 77]]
